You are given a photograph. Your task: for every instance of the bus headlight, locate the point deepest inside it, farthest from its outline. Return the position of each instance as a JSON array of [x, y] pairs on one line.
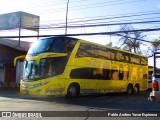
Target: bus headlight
[[33, 86]]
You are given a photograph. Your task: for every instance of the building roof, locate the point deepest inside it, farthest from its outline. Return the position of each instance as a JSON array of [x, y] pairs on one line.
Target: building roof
[[24, 45]]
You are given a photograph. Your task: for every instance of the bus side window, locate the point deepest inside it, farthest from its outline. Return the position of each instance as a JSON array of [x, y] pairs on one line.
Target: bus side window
[[118, 56], [135, 59], [114, 75], [82, 73], [143, 61], [57, 46], [113, 54], [104, 53], [125, 75], [126, 56], [121, 72], [51, 69], [106, 74], [69, 46], [98, 73]]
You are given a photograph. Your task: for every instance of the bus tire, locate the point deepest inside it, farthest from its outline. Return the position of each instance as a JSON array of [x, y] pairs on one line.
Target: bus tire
[[136, 89], [129, 89], [73, 90]]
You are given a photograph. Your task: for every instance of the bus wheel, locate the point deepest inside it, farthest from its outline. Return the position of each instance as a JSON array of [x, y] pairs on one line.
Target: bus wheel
[[136, 89], [129, 89], [73, 91]]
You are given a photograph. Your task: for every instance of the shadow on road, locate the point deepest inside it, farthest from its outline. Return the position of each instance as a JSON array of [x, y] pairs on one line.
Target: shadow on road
[[116, 101]]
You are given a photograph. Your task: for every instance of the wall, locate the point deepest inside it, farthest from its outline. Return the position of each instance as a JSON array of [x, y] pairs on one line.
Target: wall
[[8, 71]]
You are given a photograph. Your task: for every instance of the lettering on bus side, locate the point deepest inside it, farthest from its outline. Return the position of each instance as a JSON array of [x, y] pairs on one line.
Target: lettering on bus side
[[106, 64]]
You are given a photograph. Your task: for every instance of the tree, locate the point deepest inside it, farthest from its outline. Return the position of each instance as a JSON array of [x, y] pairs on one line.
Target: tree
[[136, 42], [153, 47], [110, 44], [155, 44], [125, 37], [130, 40]]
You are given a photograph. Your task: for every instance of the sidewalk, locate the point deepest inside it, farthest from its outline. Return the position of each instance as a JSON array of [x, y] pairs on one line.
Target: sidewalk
[[10, 93], [9, 89]]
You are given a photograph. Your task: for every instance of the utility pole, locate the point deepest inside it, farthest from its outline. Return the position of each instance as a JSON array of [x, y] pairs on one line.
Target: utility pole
[[66, 17], [20, 25]]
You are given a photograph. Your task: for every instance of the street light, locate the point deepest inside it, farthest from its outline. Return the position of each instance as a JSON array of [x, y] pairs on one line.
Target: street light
[[66, 17]]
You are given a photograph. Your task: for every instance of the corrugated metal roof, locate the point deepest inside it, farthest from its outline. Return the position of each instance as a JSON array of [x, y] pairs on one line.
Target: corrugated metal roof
[[24, 45]]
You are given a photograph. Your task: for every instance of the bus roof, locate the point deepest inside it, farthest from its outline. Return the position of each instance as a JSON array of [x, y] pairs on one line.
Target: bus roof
[[65, 37]]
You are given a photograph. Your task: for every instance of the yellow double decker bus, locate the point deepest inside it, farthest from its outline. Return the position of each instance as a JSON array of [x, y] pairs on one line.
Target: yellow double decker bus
[[68, 66]]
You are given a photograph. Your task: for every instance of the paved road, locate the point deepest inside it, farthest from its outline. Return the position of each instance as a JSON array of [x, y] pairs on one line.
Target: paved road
[[11, 100]]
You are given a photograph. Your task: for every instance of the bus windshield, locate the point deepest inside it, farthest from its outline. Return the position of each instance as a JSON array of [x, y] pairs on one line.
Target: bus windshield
[[47, 68], [55, 44], [40, 46]]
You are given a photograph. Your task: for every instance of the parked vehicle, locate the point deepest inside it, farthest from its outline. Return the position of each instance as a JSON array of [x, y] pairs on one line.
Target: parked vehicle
[[155, 94]]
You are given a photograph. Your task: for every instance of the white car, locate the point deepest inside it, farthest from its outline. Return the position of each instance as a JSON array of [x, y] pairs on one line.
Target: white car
[[155, 94]]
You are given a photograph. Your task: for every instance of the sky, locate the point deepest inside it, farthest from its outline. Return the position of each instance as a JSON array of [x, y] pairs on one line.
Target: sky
[[87, 12]]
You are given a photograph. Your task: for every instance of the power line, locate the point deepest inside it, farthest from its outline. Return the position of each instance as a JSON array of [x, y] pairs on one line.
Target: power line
[[104, 4], [77, 1], [124, 21], [84, 19], [86, 34], [134, 38], [115, 17], [125, 16], [35, 5], [86, 7], [100, 25], [109, 23]]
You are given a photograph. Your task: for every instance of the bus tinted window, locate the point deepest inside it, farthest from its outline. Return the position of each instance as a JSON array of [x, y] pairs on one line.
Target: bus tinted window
[[119, 56], [144, 61], [115, 75], [127, 57], [86, 50], [135, 59], [91, 73], [62, 45], [113, 54], [55, 44], [43, 44], [104, 53]]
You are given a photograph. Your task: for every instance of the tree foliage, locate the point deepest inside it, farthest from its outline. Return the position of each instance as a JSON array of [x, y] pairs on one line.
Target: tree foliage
[[155, 44], [110, 44], [130, 40]]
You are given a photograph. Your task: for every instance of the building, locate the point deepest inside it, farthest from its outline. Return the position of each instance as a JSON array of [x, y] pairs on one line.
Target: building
[[9, 49]]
